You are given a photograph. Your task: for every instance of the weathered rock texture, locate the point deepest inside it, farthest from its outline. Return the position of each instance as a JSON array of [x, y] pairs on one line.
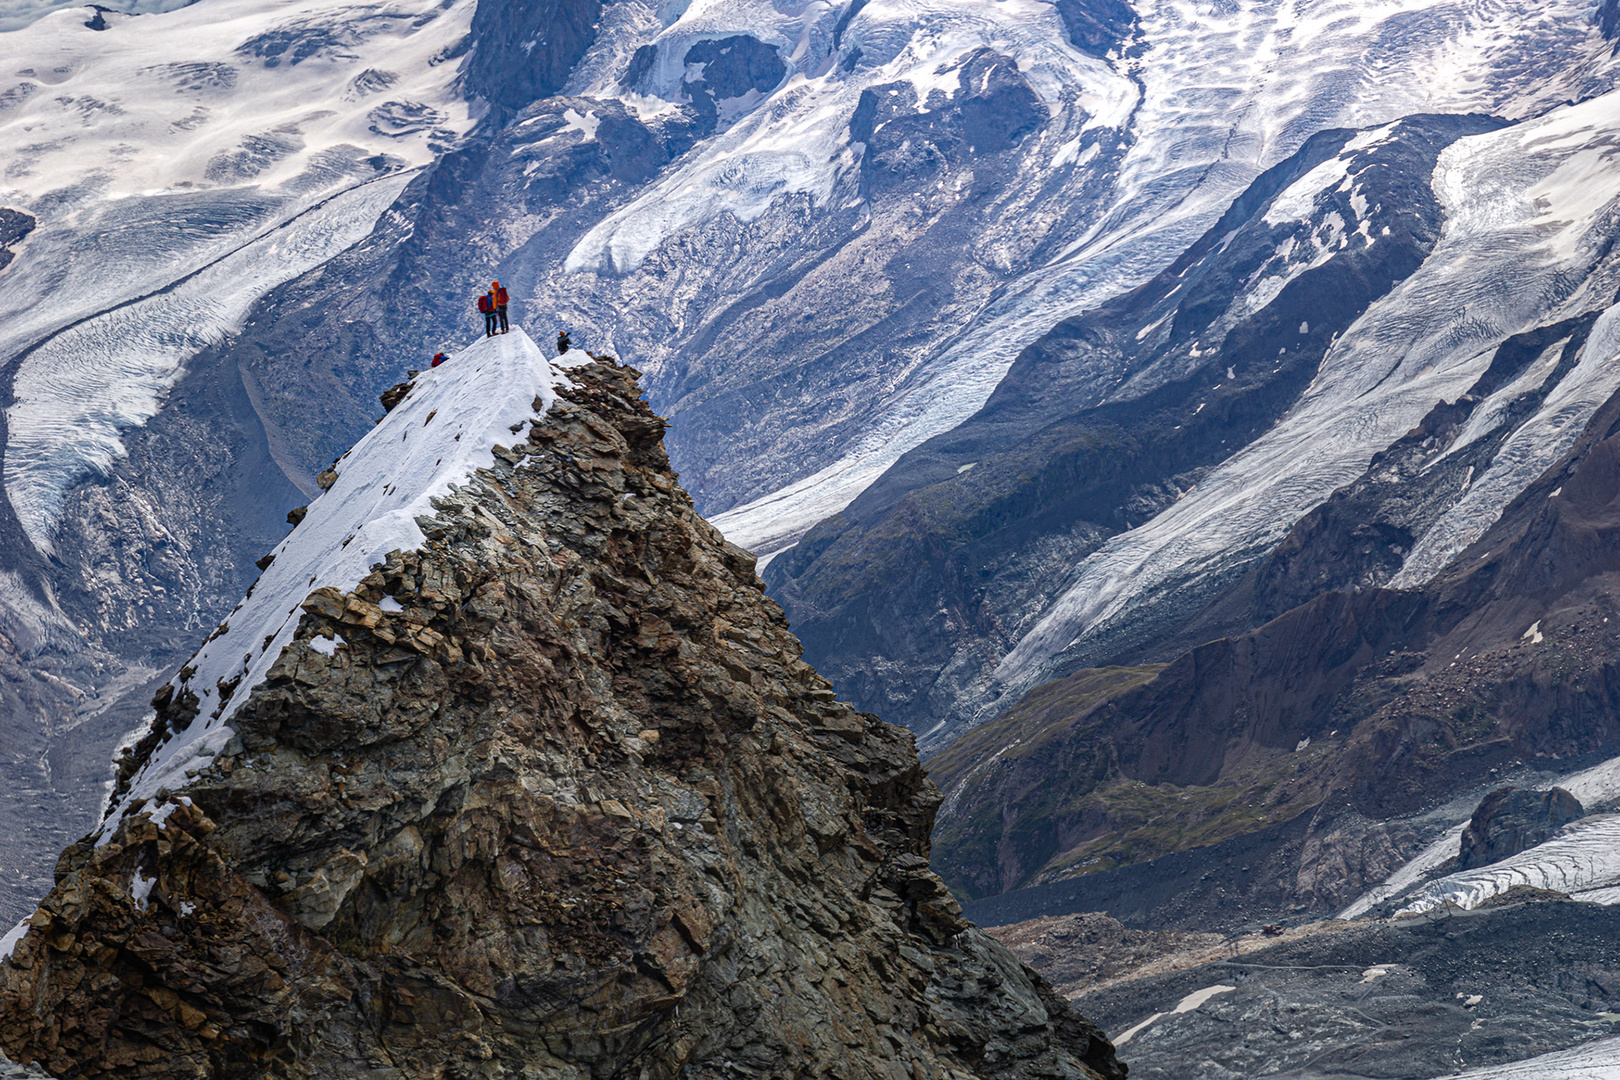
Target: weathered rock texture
[[1511, 819], [578, 810]]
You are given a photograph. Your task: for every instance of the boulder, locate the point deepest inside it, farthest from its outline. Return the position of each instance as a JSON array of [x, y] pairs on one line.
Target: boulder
[[1511, 819]]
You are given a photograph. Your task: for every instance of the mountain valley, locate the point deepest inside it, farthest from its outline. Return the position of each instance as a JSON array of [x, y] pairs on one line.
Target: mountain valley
[[1196, 425]]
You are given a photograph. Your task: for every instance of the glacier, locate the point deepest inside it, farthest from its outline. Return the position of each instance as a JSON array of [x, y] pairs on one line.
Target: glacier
[[1582, 860], [1596, 1060], [1523, 245], [179, 166], [1224, 92]]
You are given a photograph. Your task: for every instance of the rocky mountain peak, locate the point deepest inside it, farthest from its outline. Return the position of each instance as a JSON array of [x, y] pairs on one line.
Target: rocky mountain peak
[[543, 788]]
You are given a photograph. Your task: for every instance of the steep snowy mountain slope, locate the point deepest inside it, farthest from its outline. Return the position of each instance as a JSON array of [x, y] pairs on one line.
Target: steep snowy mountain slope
[[832, 245], [1148, 525], [485, 393], [895, 226]]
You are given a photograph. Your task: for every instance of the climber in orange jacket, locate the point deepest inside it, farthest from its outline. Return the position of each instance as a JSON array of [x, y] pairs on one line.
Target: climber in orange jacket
[[499, 292]]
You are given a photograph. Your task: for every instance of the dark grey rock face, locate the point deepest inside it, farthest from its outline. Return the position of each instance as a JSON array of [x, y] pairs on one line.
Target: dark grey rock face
[[732, 67], [526, 48], [1511, 819], [14, 225], [1097, 26]]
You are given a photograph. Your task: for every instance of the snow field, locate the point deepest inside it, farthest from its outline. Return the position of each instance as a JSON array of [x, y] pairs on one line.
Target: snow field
[[1227, 91], [179, 165], [430, 443], [797, 139], [19, 13]]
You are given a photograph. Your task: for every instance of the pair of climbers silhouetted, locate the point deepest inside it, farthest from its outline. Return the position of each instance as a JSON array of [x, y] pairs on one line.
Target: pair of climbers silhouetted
[[492, 306]]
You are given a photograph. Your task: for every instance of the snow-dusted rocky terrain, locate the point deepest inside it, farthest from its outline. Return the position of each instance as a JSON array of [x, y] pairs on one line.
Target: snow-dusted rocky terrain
[[1533, 198], [385, 485]]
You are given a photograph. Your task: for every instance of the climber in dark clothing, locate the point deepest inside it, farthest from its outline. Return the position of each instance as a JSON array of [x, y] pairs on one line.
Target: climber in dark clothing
[[563, 342], [486, 308], [498, 292]]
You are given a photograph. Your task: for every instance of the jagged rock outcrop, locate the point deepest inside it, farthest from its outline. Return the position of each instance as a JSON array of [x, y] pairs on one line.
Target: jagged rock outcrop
[[1511, 819], [552, 796]]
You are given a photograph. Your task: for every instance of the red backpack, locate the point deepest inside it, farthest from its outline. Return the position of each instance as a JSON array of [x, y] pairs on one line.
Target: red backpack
[[500, 296], [485, 305]]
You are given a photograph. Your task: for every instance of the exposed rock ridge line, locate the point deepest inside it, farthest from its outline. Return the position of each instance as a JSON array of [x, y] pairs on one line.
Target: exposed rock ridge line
[[569, 805]]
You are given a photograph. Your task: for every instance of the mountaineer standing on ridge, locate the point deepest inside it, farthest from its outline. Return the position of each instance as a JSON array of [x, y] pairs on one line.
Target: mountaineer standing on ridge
[[486, 308], [498, 292]]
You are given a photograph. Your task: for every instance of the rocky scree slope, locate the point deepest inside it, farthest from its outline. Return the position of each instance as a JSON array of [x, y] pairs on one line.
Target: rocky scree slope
[[551, 793]]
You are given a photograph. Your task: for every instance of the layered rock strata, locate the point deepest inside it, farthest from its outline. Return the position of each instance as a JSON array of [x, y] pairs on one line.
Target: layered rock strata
[[551, 796]]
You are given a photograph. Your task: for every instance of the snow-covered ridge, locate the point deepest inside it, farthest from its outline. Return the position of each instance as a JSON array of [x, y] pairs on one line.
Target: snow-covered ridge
[[429, 443], [179, 166]]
